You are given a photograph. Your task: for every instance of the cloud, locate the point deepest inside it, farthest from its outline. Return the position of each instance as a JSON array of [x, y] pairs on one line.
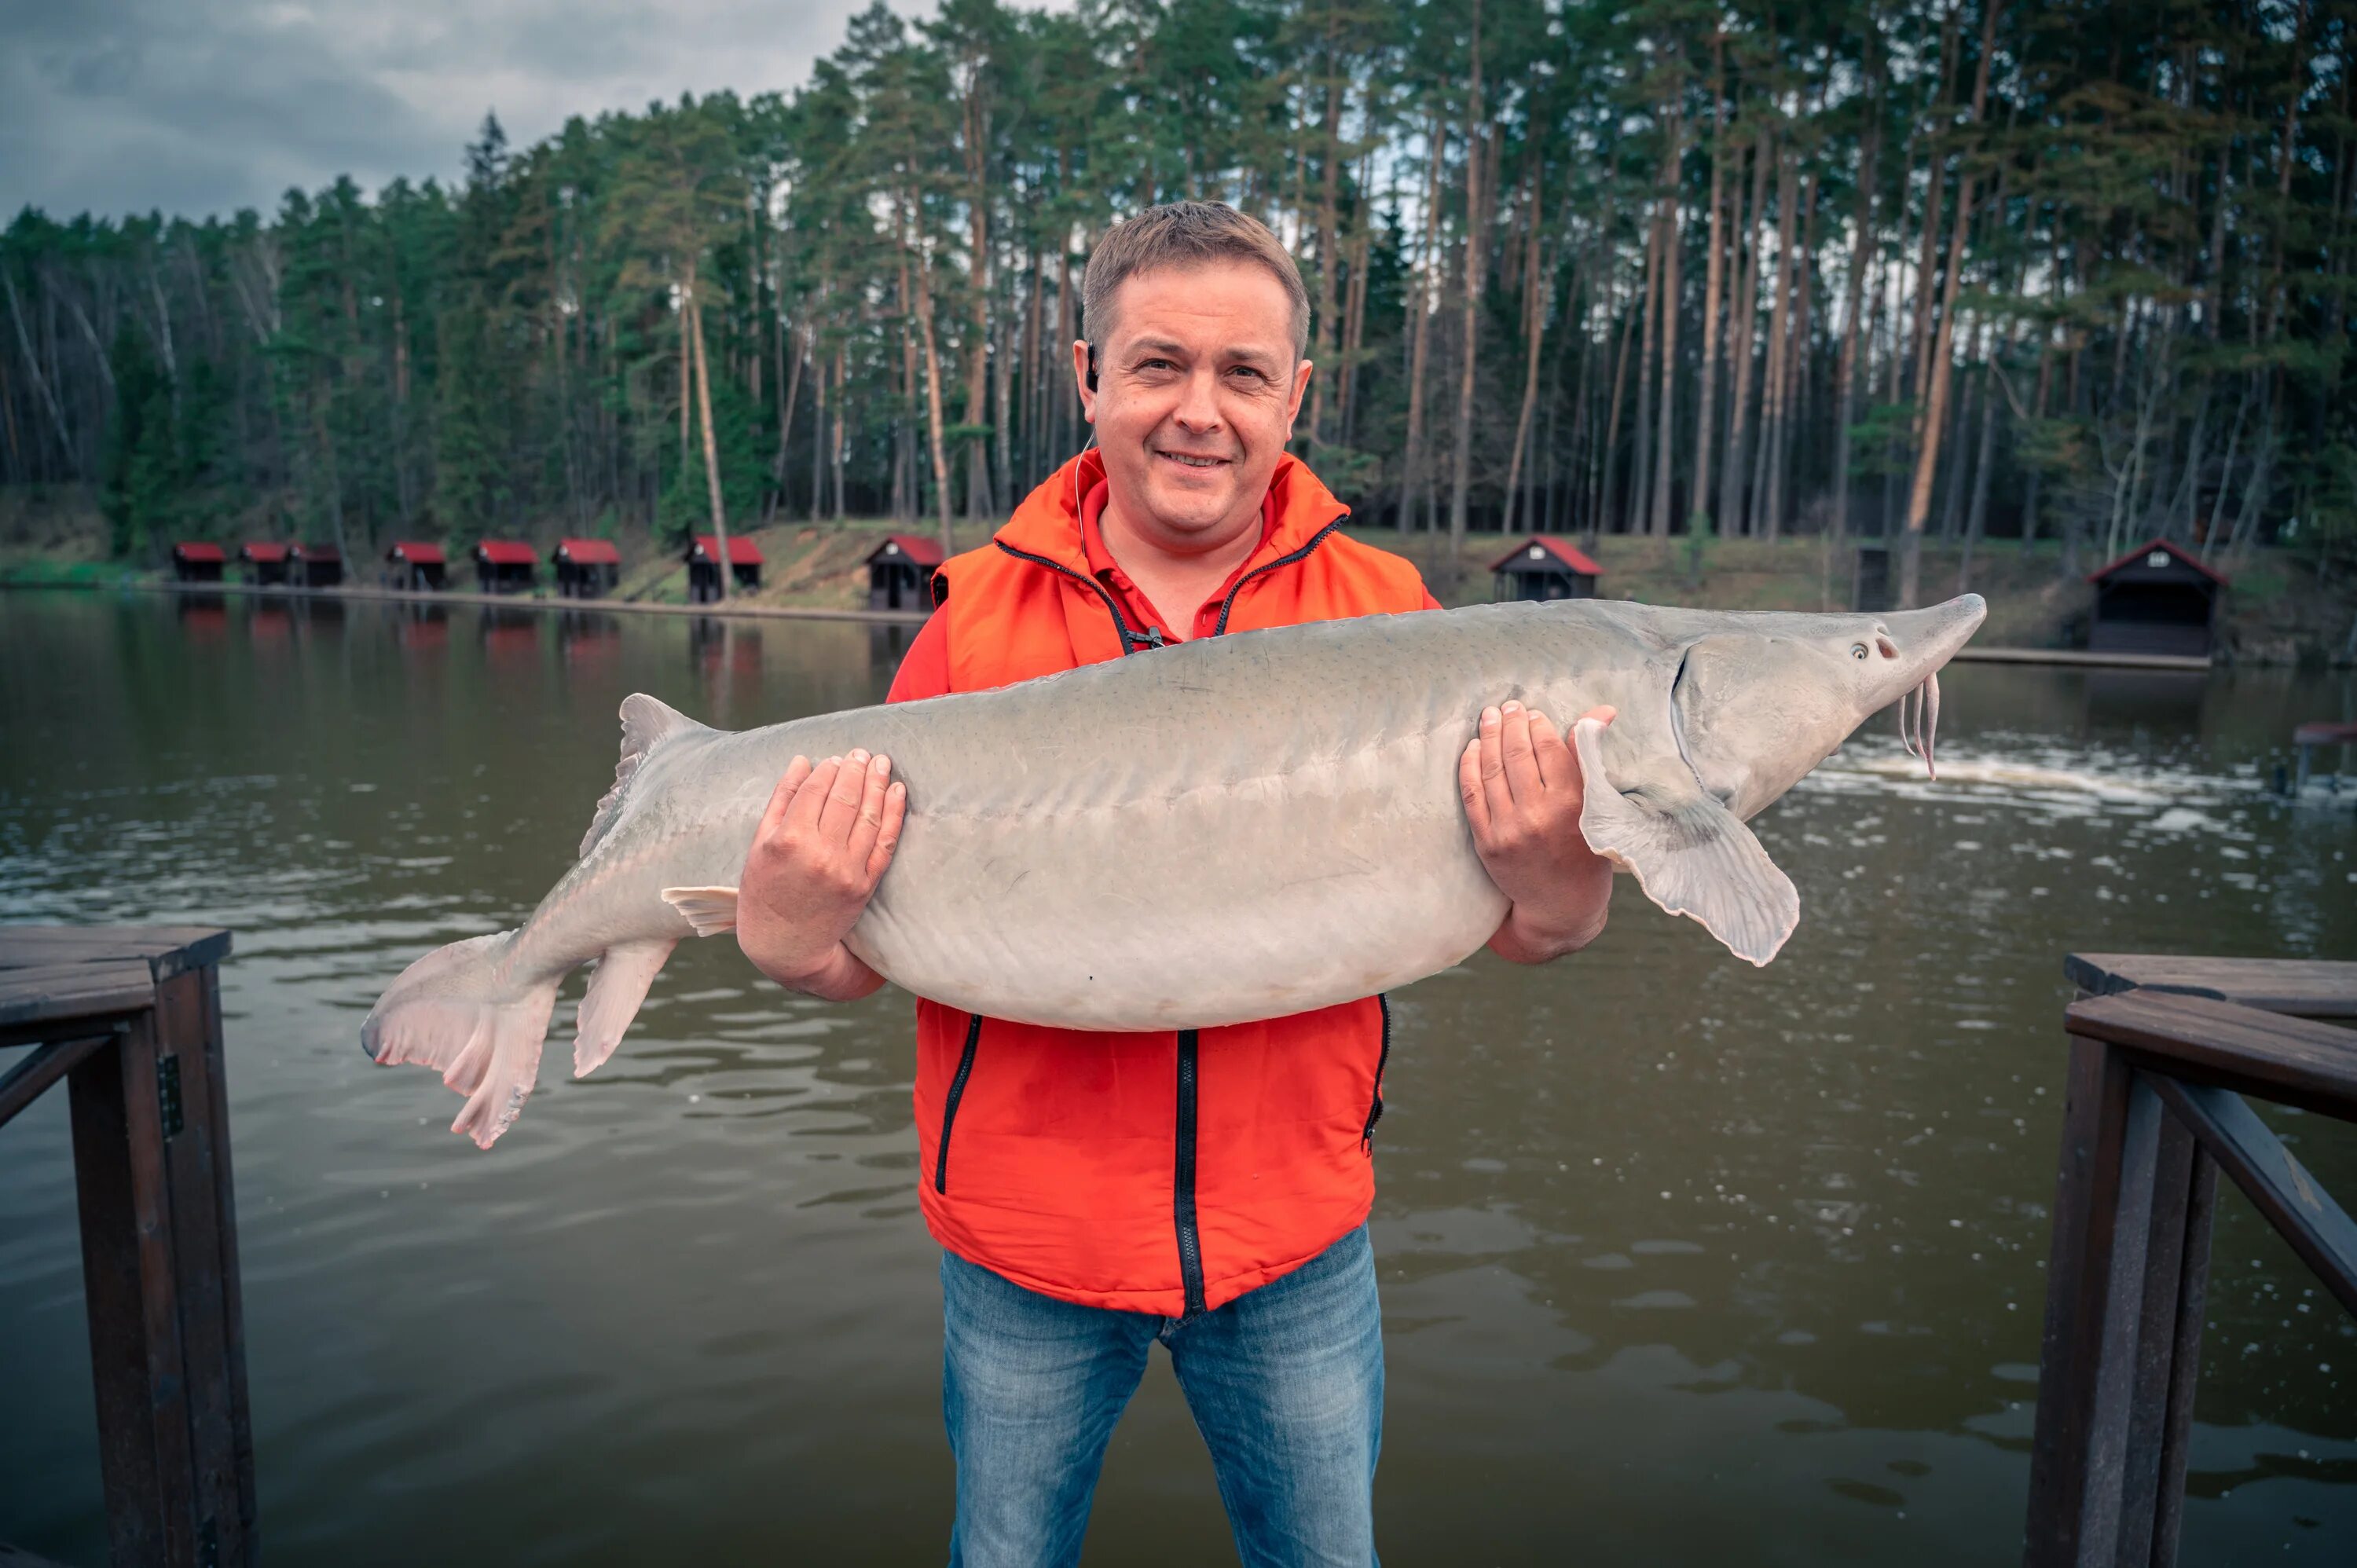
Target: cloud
[[200, 107]]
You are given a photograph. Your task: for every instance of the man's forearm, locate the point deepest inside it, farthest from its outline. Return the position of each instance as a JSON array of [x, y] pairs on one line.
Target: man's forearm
[[1534, 936], [839, 977]]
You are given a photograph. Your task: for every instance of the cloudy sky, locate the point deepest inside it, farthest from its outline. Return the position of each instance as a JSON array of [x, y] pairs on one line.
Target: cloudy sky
[[204, 106]]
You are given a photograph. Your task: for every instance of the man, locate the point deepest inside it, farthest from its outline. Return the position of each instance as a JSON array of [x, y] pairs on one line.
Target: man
[[1208, 1189]]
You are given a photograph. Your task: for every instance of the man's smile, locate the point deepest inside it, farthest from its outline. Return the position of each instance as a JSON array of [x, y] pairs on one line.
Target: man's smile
[[1195, 459]]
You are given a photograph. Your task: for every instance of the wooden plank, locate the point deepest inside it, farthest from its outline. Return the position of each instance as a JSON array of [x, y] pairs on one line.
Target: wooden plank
[[31, 1078], [2278, 1185], [61, 995], [184, 1026], [2308, 988], [2115, 1378], [2185, 1360], [233, 1280], [2297, 1061], [2144, 1481], [166, 950], [111, 1293], [2079, 1267]]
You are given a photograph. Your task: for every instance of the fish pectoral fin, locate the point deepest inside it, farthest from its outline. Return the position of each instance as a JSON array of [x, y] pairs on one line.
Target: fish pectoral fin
[[1690, 853], [618, 988], [711, 910]]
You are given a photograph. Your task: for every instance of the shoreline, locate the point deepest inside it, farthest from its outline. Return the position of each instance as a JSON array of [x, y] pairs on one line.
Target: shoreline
[[2073, 657], [729, 607]]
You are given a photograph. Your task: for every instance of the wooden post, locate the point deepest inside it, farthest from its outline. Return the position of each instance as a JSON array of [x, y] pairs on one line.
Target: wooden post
[[139, 1014]]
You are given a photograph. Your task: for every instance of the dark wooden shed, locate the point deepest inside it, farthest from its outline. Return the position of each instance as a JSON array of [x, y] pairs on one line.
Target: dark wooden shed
[[585, 568], [416, 564], [266, 561], [899, 571], [195, 561], [505, 567], [1544, 567], [318, 565], [2157, 598], [702, 557]]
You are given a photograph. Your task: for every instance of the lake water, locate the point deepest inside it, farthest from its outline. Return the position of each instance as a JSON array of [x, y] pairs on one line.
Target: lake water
[[1681, 1262]]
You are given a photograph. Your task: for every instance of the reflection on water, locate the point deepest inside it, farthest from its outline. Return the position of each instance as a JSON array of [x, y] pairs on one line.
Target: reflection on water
[[1681, 1260]]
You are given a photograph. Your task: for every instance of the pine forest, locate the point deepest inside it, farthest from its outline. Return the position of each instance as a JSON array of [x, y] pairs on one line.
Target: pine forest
[[1951, 269]]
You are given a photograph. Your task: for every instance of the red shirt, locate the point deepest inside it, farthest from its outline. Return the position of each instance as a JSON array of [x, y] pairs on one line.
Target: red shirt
[[925, 668]]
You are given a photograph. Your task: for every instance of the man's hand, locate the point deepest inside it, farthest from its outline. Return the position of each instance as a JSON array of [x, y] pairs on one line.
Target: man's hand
[[822, 847], [1523, 794]]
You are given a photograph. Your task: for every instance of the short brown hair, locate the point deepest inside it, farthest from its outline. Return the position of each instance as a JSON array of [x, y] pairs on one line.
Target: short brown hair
[[1186, 234]]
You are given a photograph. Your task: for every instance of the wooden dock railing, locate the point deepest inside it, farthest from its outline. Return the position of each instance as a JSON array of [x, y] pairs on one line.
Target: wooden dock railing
[[2162, 1052], [129, 1019]]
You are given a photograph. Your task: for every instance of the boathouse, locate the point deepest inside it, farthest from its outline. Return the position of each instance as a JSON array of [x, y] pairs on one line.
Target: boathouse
[[318, 565], [2157, 598], [416, 566], [195, 561], [266, 561], [898, 572], [703, 559], [1544, 567], [505, 567], [585, 568]]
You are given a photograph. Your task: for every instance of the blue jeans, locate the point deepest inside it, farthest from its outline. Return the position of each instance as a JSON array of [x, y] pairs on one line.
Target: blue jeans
[[1286, 1383]]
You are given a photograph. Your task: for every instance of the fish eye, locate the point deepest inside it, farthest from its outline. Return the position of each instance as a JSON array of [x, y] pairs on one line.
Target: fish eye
[[1858, 651]]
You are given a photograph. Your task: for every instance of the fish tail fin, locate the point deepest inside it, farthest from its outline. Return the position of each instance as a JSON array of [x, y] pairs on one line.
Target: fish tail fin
[[618, 988], [462, 1011]]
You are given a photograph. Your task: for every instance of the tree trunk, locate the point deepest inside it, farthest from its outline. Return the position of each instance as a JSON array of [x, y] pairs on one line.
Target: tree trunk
[[1640, 468], [1660, 524], [1919, 499], [1714, 275], [1420, 297], [933, 422], [1475, 201], [1534, 326], [711, 446], [1732, 497], [1861, 248], [1328, 242]]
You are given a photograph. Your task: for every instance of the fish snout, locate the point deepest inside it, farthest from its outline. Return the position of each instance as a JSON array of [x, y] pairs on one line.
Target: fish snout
[[1927, 638]]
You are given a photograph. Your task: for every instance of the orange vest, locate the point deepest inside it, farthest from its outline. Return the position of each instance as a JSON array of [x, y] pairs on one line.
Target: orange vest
[[1166, 1173]]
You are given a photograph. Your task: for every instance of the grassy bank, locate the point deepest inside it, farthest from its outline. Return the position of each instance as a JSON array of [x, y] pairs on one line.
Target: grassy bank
[[2276, 613]]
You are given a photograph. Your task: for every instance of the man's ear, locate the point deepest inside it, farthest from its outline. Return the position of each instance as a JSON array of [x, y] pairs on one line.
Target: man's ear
[[1302, 373], [1081, 379]]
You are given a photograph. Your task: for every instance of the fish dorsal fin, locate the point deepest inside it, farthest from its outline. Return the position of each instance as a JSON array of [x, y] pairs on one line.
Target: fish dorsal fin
[[1690, 853], [646, 724]]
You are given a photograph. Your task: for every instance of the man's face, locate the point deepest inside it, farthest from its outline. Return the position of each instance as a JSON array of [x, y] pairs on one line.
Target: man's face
[[1197, 386]]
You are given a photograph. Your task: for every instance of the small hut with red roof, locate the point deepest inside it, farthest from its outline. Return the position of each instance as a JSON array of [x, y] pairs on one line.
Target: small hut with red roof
[[702, 557], [197, 561], [1544, 567], [505, 565], [899, 571], [265, 561], [416, 564], [2157, 598], [317, 565], [585, 568]]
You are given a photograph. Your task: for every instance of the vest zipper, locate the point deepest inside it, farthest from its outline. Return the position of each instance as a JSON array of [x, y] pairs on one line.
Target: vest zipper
[[1375, 1109], [1191, 1243], [1131, 641], [1302, 553], [1182, 1200], [950, 1107]]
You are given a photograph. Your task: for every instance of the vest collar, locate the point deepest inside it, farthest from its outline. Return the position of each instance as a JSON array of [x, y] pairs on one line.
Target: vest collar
[[1048, 524]]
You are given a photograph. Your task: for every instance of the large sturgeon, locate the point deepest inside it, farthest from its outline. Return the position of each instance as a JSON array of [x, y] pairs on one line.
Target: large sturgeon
[[1230, 829]]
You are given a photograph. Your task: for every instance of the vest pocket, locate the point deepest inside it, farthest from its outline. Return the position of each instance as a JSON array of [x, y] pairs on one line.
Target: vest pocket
[[957, 1092], [1375, 1106]]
